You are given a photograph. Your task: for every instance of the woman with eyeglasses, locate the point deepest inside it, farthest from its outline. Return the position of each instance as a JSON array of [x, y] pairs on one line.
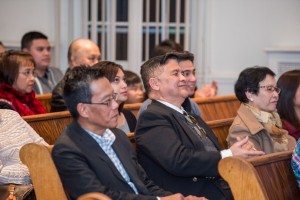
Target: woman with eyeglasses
[[257, 117], [115, 74], [17, 78], [289, 102]]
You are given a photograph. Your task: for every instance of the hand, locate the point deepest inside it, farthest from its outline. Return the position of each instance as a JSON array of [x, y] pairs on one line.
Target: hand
[[238, 150], [176, 196], [248, 145], [208, 90], [194, 198]]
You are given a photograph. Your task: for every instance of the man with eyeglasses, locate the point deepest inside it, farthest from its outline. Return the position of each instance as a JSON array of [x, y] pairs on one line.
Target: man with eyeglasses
[[179, 153], [81, 51], [92, 155]]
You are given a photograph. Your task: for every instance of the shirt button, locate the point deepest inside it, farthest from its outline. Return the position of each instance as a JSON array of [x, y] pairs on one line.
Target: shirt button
[[195, 179]]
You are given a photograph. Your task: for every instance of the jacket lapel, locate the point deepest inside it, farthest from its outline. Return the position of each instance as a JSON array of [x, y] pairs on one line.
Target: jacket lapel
[[90, 147]]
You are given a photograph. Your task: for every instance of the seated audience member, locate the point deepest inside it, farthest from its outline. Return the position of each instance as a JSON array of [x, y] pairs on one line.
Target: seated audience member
[[36, 43], [81, 52], [177, 152], [91, 151], [257, 118], [15, 133], [167, 46], [115, 74], [2, 47], [288, 105], [17, 76], [135, 88], [188, 71], [296, 162]]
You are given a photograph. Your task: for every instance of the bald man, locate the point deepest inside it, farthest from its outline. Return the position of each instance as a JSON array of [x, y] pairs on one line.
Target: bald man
[[81, 52]]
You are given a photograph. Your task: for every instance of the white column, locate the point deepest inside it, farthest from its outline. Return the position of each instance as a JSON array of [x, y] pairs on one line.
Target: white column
[[135, 35]]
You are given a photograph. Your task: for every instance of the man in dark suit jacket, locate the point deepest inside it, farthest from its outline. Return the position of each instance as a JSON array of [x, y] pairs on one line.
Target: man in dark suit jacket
[[178, 152], [91, 155]]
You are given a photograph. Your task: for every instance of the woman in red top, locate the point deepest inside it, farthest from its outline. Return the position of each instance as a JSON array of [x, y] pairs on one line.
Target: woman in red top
[[17, 78], [289, 102]]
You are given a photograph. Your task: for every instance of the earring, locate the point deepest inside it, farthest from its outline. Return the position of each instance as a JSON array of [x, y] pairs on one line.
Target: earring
[[251, 99]]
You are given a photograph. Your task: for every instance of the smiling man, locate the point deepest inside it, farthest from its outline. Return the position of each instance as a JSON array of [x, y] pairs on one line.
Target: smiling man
[[179, 153], [188, 71]]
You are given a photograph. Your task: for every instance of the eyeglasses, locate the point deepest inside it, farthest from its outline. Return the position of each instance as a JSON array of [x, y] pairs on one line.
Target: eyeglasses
[[108, 102], [192, 120], [271, 89], [29, 73]]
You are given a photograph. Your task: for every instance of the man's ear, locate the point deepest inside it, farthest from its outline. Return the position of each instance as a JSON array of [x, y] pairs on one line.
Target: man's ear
[[249, 95], [83, 110], [153, 82]]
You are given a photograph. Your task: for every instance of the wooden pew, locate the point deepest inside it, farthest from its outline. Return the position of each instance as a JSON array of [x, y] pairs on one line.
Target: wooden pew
[[134, 108], [50, 125], [218, 107], [45, 100], [221, 128], [43, 173], [268, 177]]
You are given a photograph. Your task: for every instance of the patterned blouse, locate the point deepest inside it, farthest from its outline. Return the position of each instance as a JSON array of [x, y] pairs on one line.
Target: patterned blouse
[[296, 162]]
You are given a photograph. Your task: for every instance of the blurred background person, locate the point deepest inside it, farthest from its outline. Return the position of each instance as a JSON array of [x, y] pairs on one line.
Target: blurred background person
[[2, 47], [288, 105], [17, 76], [257, 117], [135, 88], [37, 44], [115, 74], [81, 51]]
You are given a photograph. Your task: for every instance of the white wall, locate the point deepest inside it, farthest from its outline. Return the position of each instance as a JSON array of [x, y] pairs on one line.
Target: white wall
[[20, 16], [237, 31]]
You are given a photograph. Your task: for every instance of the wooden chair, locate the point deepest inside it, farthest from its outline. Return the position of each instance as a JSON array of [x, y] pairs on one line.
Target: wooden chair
[[45, 100], [134, 108], [218, 107], [45, 178], [50, 125], [268, 177], [221, 128]]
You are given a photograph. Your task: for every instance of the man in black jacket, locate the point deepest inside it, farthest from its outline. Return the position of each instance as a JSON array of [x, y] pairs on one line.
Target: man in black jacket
[[178, 152]]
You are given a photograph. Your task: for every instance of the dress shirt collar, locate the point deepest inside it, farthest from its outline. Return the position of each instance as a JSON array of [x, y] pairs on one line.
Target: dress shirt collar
[[107, 138], [180, 110]]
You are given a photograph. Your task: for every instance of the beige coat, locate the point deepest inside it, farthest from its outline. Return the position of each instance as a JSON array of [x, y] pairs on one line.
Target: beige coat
[[246, 124]]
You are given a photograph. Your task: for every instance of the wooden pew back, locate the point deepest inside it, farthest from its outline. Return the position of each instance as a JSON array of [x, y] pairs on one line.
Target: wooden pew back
[[218, 107], [134, 108], [268, 177], [50, 125], [45, 100], [221, 128], [44, 175]]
